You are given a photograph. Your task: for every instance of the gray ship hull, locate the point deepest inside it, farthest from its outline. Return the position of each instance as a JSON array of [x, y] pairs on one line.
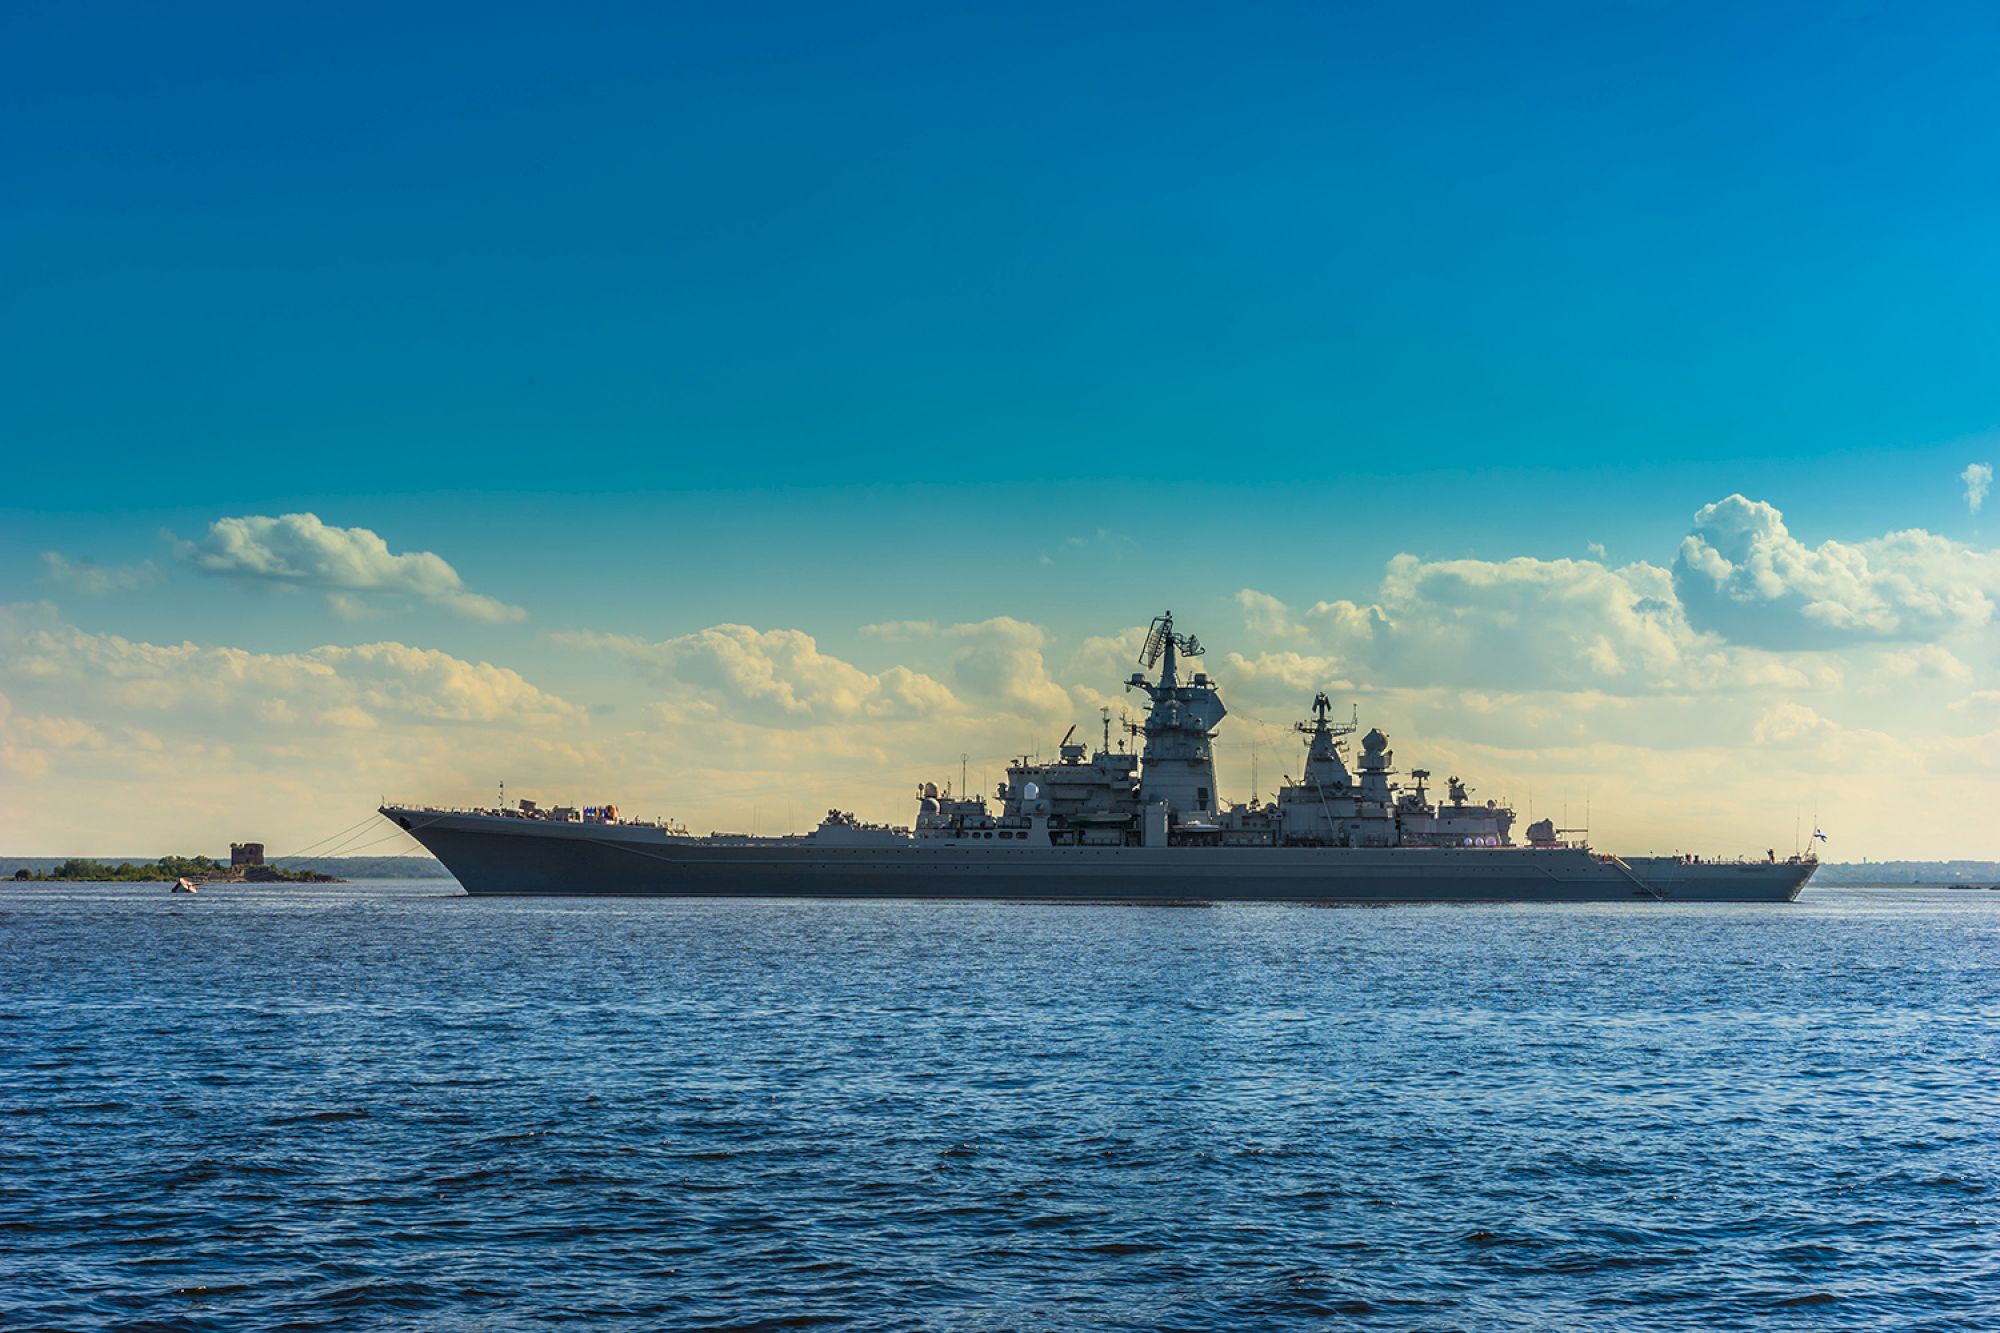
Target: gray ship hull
[[495, 854]]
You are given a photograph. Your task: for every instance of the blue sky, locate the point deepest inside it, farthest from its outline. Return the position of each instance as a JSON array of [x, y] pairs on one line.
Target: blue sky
[[647, 318]]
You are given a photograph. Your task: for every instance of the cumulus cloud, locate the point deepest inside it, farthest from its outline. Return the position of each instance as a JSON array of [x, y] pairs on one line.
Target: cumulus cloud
[[901, 631], [351, 608], [1788, 724], [193, 744], [27, 741], [1742, 574], [1746, 605], [1928, 660], [331, 685], [299, 550], [1285, 679], [1978, 479], [95, 580], [1107, 658], [779, 677], [1000, 661], [1512, 624], [782, 677], [1647, 681], [1265, 615]]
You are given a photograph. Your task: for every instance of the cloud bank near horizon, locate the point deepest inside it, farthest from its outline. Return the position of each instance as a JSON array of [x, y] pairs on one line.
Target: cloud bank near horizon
[[1698, 694]]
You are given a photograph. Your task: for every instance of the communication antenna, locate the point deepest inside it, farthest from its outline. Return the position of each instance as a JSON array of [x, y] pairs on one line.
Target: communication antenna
[[1107, 729], [1254, 798], [1565, 828], [503, 797], [1321, 707], [961, 775]]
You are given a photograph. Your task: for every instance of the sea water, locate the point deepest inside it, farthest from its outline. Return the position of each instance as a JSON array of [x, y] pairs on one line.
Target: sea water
[[389, 1105]]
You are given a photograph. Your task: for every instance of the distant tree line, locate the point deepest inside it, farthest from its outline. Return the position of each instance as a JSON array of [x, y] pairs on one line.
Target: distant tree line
[[1909, 872], [167, 867], [346, 867]]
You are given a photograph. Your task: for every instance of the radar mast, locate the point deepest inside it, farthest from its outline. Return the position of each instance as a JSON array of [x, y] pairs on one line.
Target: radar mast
[[1178, 763]]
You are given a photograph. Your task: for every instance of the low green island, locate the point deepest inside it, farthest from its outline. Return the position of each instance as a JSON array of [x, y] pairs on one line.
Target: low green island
[[199, 869]]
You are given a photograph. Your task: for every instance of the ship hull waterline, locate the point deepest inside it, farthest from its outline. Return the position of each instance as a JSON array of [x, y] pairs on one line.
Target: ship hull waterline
[[493, 855]]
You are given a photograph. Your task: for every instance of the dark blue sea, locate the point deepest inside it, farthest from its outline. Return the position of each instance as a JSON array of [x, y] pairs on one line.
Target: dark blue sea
[[391, 1106]]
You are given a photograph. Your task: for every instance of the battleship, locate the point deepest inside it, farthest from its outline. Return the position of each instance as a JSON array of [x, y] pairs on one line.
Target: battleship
[[1113, 826]]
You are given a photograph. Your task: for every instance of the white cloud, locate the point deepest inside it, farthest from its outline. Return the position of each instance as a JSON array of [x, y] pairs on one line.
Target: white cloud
[[1787, 724], [1706, 700], [354, 609], [774, 677], [745, 719], [326, 683], [1636, 682], [901, 631], [781, 677], [1514, 624], [999, 662], [1978, 479], [1928, 660], [95, 580], [298, 550], [1744, 576], [180, 747], [28, 741], [1283, 679], [1100, 546], [1265, 615], [1747, 606], [1106, 659]]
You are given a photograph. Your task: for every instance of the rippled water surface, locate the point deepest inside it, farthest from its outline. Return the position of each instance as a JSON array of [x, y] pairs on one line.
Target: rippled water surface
[[393, 1106]]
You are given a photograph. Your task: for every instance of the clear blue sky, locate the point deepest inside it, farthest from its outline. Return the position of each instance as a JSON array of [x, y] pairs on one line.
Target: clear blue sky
[[1566, 268]]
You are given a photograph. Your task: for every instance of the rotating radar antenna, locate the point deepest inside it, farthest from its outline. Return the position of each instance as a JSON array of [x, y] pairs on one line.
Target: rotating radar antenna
[[1161, 635]]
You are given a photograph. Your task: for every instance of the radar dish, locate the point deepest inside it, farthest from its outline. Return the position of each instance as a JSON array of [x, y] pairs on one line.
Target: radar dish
[[1161, 636]]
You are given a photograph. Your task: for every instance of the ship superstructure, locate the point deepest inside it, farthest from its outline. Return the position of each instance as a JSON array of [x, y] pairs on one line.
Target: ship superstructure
[[1166, 795], [1113, 825]]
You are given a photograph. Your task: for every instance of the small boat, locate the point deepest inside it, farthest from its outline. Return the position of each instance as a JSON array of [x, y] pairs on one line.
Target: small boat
[[183, 885]]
